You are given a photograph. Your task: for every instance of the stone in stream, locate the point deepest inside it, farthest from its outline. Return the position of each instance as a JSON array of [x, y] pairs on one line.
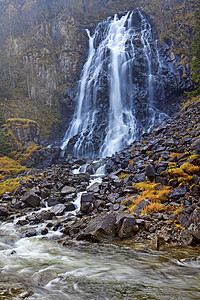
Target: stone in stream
[[128, 227], [68, 190], [157, 243], [58, 209], [46, 215], [70, 207], [43, 278], [94, 188], [31, 232], [100, 228]]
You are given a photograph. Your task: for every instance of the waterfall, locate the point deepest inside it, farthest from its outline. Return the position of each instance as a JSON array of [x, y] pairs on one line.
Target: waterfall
[[115, 98]]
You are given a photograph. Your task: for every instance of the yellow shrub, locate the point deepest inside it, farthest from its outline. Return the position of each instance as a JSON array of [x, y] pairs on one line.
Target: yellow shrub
[[173, 154], [153, 207]]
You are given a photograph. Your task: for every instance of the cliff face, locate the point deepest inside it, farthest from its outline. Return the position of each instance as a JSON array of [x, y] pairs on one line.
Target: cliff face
[[42, 66]]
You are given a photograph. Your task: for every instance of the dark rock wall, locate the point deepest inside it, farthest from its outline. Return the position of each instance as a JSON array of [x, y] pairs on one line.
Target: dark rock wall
[[45, 62]]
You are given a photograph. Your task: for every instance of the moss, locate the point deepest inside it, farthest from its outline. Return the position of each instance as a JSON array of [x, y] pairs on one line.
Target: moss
[[123, 175], [190, 168], [178, 210], [179, 227], [171, 165], [10, 167], [196, 156], [10, 185]]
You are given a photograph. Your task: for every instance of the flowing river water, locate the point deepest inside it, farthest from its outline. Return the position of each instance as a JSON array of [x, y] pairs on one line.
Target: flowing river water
[[93, 271]]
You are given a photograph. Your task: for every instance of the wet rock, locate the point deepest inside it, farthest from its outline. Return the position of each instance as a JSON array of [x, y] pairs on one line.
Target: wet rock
[[70, 207], [68, 190], [157, 243], [87, 197], [87, 203], [69, 198], [31, 232], [43, 278], [31, 199], [100, 228], [94, 188], [46, 215], [52, 202], [44, 231], [128, 228], [22, 222], [58, 209]]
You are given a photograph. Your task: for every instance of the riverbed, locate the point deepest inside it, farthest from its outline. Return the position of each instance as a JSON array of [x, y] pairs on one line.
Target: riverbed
[[92, 271]]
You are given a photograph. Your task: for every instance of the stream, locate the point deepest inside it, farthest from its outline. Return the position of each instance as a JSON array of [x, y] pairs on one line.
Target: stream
[[93, 271]]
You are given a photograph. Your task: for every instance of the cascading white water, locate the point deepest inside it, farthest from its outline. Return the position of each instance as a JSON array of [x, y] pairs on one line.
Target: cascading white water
[[110, 91]]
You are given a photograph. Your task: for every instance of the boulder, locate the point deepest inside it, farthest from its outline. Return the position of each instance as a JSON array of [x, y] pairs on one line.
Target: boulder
[[70, 207], [128, 228], [86, 203], [93, 188], [177, 193], [31, 232], [68, 190], [100, 228], [46, 215], [157, 243], [31, 199], [139, 177], [150, 171], [58, 209]]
